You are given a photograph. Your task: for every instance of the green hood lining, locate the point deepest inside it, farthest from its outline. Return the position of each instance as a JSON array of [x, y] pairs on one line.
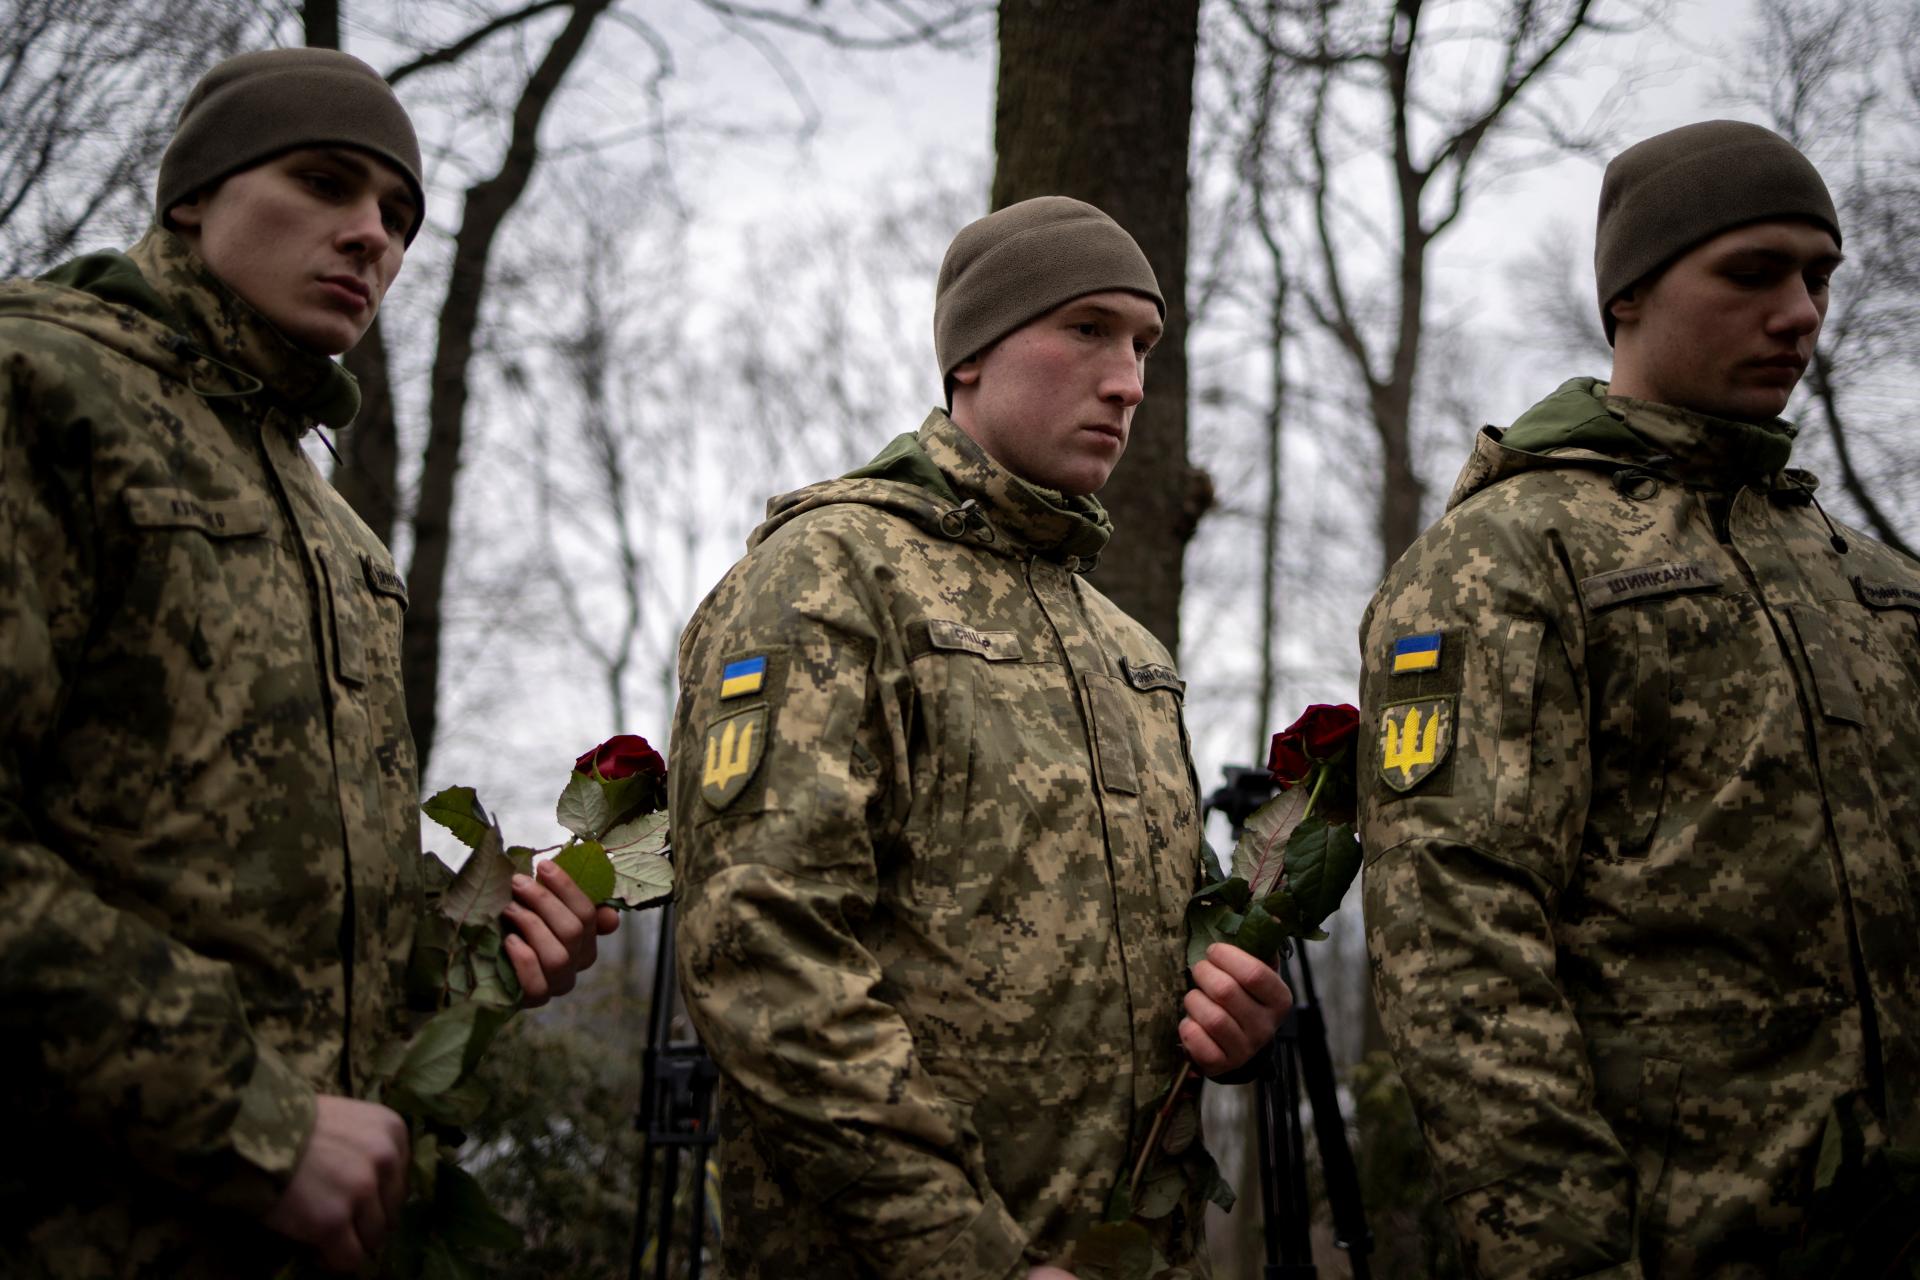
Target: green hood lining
[[905, 462], [1576, 416]]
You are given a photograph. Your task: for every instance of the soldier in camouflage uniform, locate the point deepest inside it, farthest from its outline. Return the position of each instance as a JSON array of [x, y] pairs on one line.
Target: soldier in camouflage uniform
[[936, 819], [1641, 800], [208, 828]]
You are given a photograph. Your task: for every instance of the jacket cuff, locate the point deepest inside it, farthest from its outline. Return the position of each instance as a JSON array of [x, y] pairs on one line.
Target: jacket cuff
[[991, 1245], [269, 1134]]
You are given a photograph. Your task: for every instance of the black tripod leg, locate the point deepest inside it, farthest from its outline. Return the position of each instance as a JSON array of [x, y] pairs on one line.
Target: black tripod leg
[[1330, 1132], [1297, 1215], [1269, 1192], [669, 1184], [640, 1218]]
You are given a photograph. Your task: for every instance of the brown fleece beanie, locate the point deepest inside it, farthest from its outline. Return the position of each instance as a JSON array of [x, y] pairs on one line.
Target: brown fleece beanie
[[252, 107], [1021, 262], [1663, 196]]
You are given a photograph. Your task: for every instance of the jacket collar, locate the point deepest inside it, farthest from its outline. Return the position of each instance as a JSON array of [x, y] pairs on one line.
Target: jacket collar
[[243, 344], [1705, 450], [1035, 520]]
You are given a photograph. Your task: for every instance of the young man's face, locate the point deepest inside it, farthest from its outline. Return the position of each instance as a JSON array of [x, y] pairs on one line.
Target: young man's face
[[312, 238], [1728, 329], [1053, 401]]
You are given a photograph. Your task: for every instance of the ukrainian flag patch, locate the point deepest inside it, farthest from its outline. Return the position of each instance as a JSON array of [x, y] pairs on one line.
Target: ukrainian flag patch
[[738, 679], [1416, 653]]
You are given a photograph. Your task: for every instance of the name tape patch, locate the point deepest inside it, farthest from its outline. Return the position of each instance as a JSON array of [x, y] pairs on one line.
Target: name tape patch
[[1603, 590], [178, 509], [1152, 675], [384, 580], [1887, 595], [994, 646]]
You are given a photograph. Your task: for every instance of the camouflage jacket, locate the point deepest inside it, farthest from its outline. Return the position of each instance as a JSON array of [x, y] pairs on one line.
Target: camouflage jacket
[[936, 825], [206, 779], [1641, 805]]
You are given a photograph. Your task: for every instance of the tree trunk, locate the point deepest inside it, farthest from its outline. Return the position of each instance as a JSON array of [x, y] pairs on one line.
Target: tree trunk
[[320, 24], [487, 205], [367, 474], [1095, 102]]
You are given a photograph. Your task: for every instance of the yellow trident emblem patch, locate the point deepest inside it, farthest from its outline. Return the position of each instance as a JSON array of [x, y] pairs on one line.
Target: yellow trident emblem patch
[[1414, 739], [734, 748]]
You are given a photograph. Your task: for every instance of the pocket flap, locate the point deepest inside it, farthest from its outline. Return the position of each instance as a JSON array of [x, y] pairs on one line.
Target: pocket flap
[[1112, 734], [179, 509]]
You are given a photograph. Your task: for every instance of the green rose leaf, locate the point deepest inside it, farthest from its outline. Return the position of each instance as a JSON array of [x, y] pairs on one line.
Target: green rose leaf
[[508, 979], [644, 834], [590, 868], [436, 1056], [1119, 1202], [1114, 1251], [1204, 1175], [426, 1163], [641, 875], [1213, 915], [484, 885], [1260, 858], [459, 1106], [491, 985], [458, 810], [439, 1262], [632, 797], [522, 859], [1183, 1126], [1832, 1153], [583, 807], [1260, 934], [1160, 1193], [466, 1218], [1322, 861], [429, 960], [447, 1048]]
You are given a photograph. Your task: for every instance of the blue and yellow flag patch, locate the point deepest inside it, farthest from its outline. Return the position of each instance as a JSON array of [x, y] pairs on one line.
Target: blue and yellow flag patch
[[738, 679], [1416, 653]]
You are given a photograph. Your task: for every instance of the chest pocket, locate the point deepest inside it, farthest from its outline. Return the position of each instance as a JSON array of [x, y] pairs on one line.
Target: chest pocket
[[1165, 787], [1663, 669], [195, 560]]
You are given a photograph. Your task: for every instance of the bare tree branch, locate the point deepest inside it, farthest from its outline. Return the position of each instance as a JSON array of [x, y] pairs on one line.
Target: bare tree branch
[[473, 39]]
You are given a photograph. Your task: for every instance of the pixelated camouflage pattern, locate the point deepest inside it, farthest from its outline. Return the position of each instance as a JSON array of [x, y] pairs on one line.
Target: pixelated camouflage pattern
[[936, 942], [207, 823], [1656, 910]]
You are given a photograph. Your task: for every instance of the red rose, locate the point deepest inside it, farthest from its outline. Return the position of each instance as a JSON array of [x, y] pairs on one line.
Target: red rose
[[1287, 762], [1320, 734], [1326, 730], [622, 756]]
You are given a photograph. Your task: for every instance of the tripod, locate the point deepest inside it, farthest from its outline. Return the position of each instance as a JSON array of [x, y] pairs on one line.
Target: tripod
[[676, 1107], [1299, 1059]]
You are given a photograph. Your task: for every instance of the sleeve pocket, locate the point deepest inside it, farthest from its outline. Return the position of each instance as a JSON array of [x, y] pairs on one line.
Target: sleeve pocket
[[1519, 668]]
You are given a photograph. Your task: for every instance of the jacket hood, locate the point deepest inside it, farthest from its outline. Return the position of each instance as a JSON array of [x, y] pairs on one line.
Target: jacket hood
[[940, 479], [1582, 425], [159, 304]]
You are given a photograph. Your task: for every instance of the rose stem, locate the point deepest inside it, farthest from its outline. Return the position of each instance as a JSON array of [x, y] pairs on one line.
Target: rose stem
[[1159, 1123]]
